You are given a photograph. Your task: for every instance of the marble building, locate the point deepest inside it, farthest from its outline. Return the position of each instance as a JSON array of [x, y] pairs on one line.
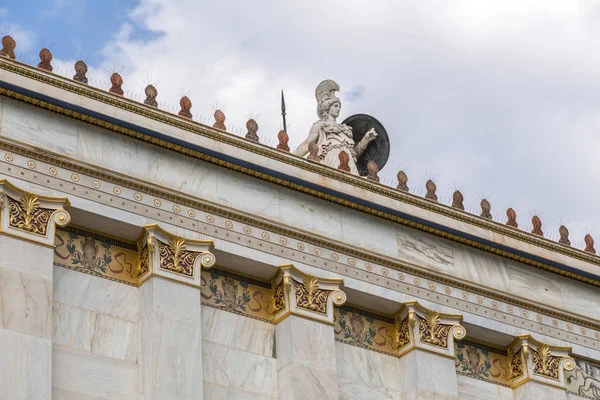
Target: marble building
[[144, 255]]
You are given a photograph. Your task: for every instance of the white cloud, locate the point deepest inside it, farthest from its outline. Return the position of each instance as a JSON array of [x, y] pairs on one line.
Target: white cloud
[[496, 97]]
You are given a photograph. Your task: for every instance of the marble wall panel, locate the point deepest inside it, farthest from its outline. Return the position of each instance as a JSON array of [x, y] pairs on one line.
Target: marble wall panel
[[216, 392], [350, 389], [115, 338], [298, 381], [25, 303], [425, 250], [237, 331], [226, 366], [474, 389], [73, 327], [536, 390], [93, 375], [368, 367], [363, 329], [480, 267], [170, 356], [110, 298], [428, 374], [39, 128], [61, 394], [306, 341], [584, 380], [25, 366], [580, 298]]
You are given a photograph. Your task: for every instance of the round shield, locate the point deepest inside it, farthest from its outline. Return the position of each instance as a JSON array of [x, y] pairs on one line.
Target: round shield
[[378, 150]]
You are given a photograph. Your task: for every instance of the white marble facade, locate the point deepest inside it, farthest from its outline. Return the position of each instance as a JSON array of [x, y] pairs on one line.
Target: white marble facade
[[68, 335]]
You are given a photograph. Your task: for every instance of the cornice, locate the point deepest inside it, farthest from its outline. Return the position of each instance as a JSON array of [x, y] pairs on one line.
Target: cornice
[[264, 151]]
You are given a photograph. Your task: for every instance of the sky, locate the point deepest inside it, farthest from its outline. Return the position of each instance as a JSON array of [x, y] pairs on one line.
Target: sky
[[499, 99]]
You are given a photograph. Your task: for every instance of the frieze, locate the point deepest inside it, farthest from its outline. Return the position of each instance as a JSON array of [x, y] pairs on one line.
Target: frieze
[[95, 254], [483, 362], [364, 329], [237, 294], [584, 380], [295, 246]]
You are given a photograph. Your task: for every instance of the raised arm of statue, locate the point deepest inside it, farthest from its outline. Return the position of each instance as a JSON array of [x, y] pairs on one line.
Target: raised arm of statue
[[362, 145], [313, 136]]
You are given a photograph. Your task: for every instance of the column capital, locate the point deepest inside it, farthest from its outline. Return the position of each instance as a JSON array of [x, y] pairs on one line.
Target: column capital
[[172, 257], [531, 360], [417, 327], [295, 292], [30, 216]]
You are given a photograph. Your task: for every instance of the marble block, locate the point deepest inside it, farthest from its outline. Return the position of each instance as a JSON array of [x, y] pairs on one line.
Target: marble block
[[421, 371], [368, 367], [162, 295], [115, 338], [299, 381], [170, 357], [480, 267], [93, 375], [369, 232], [25, 303], [25, 367], [236, 331], [95, 294], [425, 250], [225, 366], [353, 390], [27, 257], [300, 340], [61, 394], [536, 390], [216, 392], [475, 389], [73, 327]]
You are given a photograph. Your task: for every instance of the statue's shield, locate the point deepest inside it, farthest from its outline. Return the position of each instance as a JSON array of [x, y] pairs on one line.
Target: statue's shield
[[378, 150]]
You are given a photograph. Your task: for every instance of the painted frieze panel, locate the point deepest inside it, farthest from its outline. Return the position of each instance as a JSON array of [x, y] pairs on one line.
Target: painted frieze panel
[[364, 329], [97, 255], [482, 362], [235, 293], [584, 380]]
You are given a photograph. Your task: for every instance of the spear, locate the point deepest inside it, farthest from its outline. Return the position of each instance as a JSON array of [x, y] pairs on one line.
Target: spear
[[283, 111]]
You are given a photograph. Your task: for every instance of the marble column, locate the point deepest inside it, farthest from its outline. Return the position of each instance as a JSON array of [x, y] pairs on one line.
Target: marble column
[[425, 342], [27, 228], [537, 370], [304, 337], [170, 325]]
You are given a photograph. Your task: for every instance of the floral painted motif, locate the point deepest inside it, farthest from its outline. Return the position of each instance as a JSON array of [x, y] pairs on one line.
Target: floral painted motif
[[363, 329], [482, 362], [95, 255], [584, 380], [233, 293]]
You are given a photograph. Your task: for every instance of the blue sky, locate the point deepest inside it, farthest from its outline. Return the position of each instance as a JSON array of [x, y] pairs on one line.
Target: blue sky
[[72, 27]]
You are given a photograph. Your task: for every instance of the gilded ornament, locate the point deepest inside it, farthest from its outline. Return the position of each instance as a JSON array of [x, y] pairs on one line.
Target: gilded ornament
[[174, 257], [96, 184], [176, 208], [544, 363], [52, 171], [300, 246], [8, 157], [157, 202], [228, 224], [27, 215], [75, 177], [432, 331], [309, 296], [401, 333], [143, 264], [283, 241], [191, 213], [137, 197], [265, 235], [384, 272], [278, 299], [516, 363], [117, 190], [31, 164]]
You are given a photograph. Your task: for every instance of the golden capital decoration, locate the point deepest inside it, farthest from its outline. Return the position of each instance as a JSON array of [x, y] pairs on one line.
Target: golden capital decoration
[[531, 360], [295, 292], [417, 327], [172, 257], [29, 216]]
